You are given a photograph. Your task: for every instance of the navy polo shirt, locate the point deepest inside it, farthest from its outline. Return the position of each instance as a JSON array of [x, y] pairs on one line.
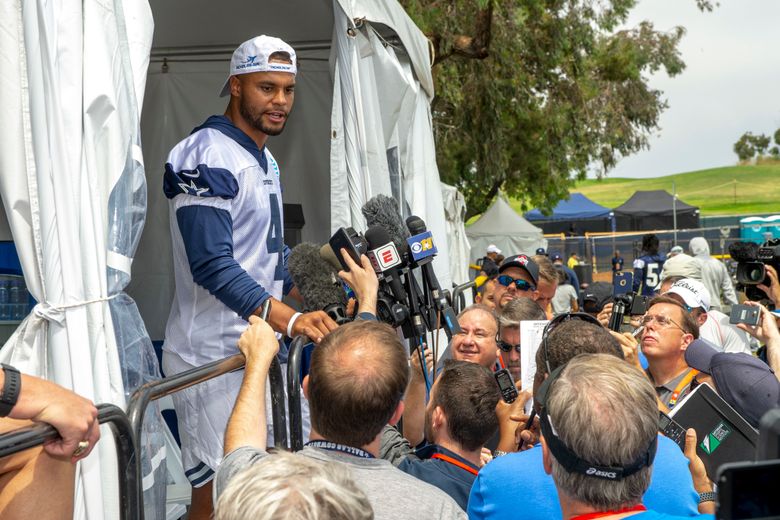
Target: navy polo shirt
[[450, 478]]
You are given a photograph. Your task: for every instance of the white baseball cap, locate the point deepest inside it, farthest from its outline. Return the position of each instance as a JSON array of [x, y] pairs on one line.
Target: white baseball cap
[[493, 249], [252, 56], [693, 293]]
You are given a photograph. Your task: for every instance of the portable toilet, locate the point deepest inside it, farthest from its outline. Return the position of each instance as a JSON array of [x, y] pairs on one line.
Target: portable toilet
[[772, 225], [752, 229]]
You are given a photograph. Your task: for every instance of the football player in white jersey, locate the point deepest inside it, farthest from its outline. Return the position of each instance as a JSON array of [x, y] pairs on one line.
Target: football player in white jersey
[[229, 256]]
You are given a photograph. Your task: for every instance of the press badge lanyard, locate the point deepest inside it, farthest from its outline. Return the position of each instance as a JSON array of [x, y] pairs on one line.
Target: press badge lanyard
[[454, 462], [601, 514], [334, 446], [681, 385]]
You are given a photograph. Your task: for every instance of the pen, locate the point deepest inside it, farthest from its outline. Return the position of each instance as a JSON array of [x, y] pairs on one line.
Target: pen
[[528, 424]]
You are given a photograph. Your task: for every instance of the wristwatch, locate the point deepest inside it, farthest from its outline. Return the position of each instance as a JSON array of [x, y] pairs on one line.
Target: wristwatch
[[11, 388], [707, 496]]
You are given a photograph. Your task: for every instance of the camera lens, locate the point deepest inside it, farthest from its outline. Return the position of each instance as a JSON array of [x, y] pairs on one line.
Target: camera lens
[[756, 274]]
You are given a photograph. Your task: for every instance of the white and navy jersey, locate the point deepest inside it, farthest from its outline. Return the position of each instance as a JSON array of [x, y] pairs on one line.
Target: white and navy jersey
[[225, 202], [647, 273]]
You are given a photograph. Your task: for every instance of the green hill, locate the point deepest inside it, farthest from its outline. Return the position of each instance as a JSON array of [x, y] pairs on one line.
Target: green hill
[[731, 190]]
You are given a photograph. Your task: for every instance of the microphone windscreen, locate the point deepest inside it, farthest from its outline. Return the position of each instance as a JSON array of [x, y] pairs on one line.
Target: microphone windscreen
[[327, 254], [743, 251], [382, 211], [377, 236], [416, 225], [315, 278]]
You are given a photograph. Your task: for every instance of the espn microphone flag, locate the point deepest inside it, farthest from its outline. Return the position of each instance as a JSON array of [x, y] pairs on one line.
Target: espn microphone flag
[[384, 257], [421, 246]]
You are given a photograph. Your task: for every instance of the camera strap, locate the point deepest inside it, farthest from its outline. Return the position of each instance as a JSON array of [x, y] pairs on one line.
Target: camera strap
[[681, 386]]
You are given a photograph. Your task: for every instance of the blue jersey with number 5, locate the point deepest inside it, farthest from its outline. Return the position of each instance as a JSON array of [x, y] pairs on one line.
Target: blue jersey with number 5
[[225, 201], [647, 273]]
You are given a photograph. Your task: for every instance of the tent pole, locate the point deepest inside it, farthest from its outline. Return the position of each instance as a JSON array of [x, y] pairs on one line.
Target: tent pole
[[674, 212], [207, 50]]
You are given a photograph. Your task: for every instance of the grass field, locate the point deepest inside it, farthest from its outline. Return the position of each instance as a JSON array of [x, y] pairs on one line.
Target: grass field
[[731, 190]]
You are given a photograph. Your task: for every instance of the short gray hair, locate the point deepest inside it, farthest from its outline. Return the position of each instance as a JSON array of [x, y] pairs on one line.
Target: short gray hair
[[520, 309], [289, 486], [604, 410]]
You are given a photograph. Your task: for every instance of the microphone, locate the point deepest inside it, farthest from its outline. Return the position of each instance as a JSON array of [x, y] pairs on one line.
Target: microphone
[[317, 282], [382, 211], [423, 250], [385, 260]]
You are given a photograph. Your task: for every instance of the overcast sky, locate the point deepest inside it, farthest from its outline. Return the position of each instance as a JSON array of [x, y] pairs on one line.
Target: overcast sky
[[731, 84]]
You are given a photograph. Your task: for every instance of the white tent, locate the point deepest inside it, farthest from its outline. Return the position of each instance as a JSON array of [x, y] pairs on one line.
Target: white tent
[[73, 74], [502, 226], [458, 243], [360, 126]]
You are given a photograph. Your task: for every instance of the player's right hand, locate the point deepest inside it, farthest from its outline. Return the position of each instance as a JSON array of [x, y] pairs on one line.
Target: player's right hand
[[316, 325]]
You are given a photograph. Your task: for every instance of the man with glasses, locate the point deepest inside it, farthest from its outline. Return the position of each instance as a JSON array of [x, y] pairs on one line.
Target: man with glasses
[[517, 278], [668, 330], [493, 495], [714, 326], [517, 310]]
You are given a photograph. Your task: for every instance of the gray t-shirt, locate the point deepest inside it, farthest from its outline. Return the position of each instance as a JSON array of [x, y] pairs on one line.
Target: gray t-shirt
[[393, 494], [561, 302]]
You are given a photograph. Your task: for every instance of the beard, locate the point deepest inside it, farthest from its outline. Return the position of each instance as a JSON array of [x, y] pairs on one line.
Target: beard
[[255, 119]]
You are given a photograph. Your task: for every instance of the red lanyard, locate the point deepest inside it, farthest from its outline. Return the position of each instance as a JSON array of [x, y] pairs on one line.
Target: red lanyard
[[454, 462], [588, 516], [685, 382]]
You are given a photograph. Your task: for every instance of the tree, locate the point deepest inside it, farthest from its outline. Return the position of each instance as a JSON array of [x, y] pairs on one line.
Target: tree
[[761, 143], [533, 94], [744, 147], [777, 137]]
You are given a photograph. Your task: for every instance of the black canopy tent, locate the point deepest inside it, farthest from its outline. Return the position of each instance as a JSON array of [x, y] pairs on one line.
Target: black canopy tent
[[655, 209]]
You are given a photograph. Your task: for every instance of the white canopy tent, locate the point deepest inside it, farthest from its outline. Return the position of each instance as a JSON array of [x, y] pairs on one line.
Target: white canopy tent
[[72, 163], [458, 243], [361, 123], [502, 226]]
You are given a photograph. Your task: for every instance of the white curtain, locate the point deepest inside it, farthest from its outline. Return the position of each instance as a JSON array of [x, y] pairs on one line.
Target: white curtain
[[72, 183]]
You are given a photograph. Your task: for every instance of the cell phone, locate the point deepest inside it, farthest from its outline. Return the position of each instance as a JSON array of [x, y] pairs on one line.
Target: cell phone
[[745, 314], [671, 429], [622, 283], [352, 241], [748, 490], [506, 384]]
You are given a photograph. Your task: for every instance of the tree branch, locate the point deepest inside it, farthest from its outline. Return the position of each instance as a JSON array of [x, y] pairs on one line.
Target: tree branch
[[474, 47]]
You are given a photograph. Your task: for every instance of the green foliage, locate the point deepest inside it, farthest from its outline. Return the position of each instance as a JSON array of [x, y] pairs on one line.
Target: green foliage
[[777, 137], [749, 146], [560, 92], [744, 147]]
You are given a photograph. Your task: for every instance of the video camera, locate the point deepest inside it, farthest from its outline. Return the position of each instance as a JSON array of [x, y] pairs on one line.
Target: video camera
[[752, 260]]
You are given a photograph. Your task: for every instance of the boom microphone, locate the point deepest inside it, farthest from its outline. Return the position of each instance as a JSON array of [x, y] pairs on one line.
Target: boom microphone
[[317, 282], [382, 211]]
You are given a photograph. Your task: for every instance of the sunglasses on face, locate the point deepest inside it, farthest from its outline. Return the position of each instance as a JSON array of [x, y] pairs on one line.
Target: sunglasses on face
[[507, 347], [520, 285]]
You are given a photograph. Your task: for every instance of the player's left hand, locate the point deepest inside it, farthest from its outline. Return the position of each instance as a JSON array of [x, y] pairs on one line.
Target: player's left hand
[[316, 325]]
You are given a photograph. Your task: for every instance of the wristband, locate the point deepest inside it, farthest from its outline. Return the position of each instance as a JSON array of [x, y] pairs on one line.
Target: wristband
[[707, 496], [291, 323], [11, 388]]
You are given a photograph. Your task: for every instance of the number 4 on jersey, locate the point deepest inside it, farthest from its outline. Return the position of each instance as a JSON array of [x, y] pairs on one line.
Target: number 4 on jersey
[[274, 242]]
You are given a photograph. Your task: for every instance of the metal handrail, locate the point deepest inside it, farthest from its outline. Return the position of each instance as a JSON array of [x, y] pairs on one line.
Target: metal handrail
[[456, 294], [129, 472], [294, 359], [168, 385]]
